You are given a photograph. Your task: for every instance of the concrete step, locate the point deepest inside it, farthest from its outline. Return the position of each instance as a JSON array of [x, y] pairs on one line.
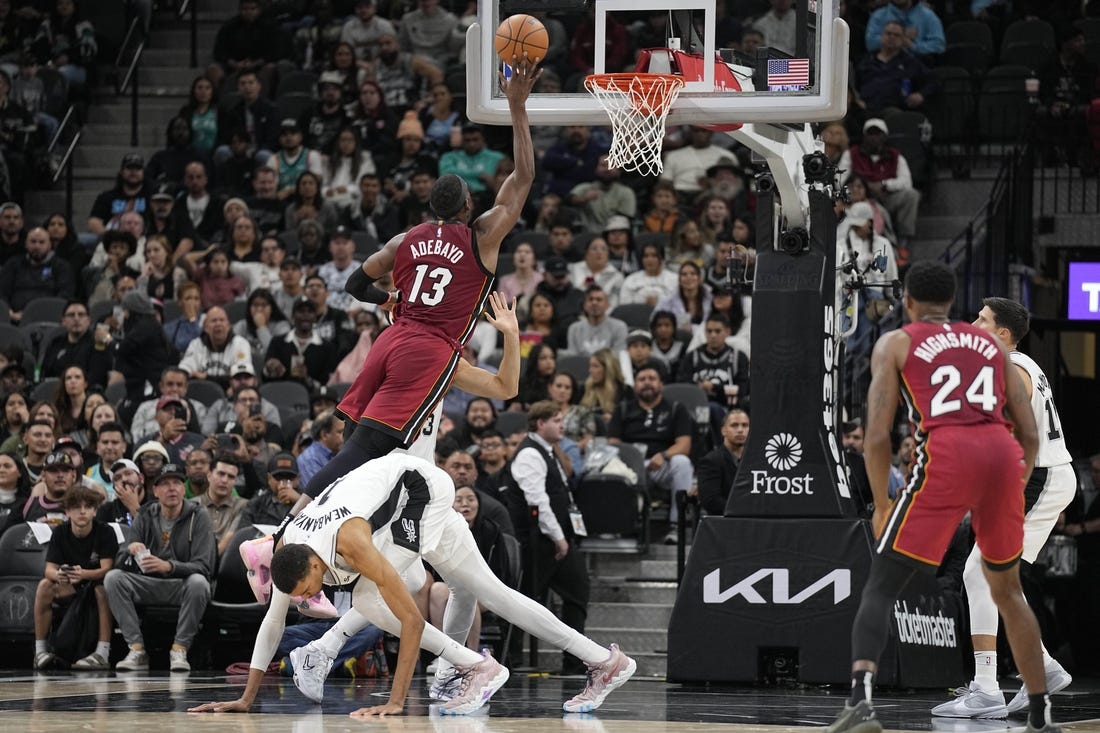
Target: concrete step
[[40, 204], [955, 198], [650, 664], [630, 615], [153, 110], [658, 570], [176, 57], [107, 157], [155, 78], [607, 591], [928, 249], [179, 37], [150, 133], [942, 227]]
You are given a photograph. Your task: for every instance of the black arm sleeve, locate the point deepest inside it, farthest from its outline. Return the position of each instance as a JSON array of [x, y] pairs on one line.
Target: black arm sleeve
[[361, 287]]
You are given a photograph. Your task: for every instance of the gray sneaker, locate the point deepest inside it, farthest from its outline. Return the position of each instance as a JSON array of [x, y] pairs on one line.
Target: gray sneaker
[[136, 660], [1057, 678], [973, 702], [859, 718], [311, 667], [478, 683]]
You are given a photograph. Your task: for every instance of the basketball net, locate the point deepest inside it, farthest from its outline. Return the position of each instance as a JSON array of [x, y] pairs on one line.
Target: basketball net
[[638, 105]]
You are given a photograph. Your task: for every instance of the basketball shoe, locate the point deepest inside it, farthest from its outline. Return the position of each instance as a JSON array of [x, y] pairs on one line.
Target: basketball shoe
[[974, 702], [859, 718], [476, 684], [603, 678], [1057, 678], [256, 555], [311, 667], [445, 683]]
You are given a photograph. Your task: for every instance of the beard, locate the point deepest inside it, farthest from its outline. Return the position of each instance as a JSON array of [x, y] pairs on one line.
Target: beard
[[728, 189]]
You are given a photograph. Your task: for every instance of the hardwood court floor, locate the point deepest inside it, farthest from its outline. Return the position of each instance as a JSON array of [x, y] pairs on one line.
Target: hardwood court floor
[[156, 703]]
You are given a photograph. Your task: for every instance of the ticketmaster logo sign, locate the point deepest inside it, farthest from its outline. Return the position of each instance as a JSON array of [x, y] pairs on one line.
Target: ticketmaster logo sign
[[1083, 291]]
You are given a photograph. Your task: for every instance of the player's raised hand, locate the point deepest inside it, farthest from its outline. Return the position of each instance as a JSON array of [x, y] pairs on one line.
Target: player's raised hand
[[503, 316], [524, 76]]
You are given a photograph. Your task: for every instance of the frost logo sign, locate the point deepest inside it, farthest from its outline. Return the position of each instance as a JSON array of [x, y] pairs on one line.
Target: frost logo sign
[[783, 452]]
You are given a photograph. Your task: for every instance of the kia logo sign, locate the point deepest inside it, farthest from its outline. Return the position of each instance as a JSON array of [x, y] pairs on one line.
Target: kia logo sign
[[1083, 291], [840, 579]]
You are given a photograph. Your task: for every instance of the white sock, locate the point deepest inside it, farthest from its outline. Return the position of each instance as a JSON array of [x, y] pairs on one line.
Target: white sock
[[103, 649], [985, 671], [40, 646]]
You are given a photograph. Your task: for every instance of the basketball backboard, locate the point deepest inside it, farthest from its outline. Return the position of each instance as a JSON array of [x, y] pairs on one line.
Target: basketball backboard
[[801, 77]]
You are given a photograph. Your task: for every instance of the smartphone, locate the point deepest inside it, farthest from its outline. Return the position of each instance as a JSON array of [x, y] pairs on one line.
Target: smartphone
[[226, 444], [255, 409], [179, 412]]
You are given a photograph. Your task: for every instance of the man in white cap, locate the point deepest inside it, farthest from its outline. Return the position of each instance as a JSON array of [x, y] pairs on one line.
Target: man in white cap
[[130, 496], [327, 116], [241, 374]]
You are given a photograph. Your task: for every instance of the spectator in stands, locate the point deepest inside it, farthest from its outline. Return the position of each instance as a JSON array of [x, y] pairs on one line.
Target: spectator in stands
[[573, 160], [15, 487], [540, 324], [170, 562], [882, 224], [1067, 86], [130, 495], [66, 243], [203, 210], [81, 552], [374, 122], [254, 116], [534, 383], [129, 194], [371, 211], [460, 466], [729, 302], [97, 412], [198, 468], [36, 274], [399, 163], [110, 447], [860, 246], [718, 469], [173, 416], [294, 159], [556, 286], [562, 241], [209, 268], [595, 269], [150, 457], [327, 432], [605, 386], [181, 331], [687, 167], [211, 355], [264, 204], [336, 271], [596, 330], [327, 117], [13, 376], [522, 281], [161, 275], [580, 422], [263, 321], [431, 32], [491, 462], [778, 26], [664, 427], [66, 42], [691, 302], [16, 415], [620, 243], [922, 29], [481, 415], [332, 325], [308, 203], [892, 77], [291, 284], [75, 347], [474, 163], [301, 355], [72, 390], [12, 232], [167, 164], [38, 440], [402, 76], [234, 167], [168, 221], [201, 113], [345, 166], [719, 369], [441, 120], [889, 180], [29, 92], [664, 212], [364, 29], [537, 479], [416, 207], [248, 42], [582, 48], [220, 502], [653, 283], [639, 351], [271, 504], [604, 199], [244, 240], [349, 71], [223, 411]]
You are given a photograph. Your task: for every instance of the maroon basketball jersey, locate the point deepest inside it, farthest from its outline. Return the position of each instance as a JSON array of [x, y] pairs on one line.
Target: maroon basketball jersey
[[953, 375], [442, 281]]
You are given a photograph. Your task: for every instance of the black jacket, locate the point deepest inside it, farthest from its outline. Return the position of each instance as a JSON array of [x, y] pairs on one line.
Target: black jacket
[[21, 280], [716, 472]]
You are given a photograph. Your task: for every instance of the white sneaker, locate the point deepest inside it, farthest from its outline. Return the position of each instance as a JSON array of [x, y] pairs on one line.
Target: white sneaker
[[603, 678], [177, 661], [311, 668], [446, 682], [1058, 679], [477, 683], [973, 702], [136, 660]]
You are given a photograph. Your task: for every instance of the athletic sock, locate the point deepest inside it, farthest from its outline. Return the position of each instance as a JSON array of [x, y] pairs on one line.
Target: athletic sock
[[1039, 710], [862, 682], [103, 649], [41, 646], [985, 671]]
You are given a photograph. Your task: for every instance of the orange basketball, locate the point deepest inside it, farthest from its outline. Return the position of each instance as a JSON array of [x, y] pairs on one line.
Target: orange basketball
[[519, 33]]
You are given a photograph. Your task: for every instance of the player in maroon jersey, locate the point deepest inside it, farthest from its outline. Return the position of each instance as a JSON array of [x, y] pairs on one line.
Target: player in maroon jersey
[[958, 383], [442, 272]]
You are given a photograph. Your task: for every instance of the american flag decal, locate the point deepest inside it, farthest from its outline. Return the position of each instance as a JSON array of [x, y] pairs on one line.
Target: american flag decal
[[782, 72]]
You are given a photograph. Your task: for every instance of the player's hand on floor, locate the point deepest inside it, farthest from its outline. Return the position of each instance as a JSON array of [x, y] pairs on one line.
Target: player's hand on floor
[[380, 710], [233, 706]]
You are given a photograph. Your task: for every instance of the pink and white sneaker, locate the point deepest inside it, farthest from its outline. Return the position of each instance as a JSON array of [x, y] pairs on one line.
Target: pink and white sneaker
[[256, 555], [476, 684], [602, 679]]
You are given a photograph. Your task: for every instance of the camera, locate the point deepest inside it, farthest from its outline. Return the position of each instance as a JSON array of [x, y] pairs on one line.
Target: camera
[[225, 443], [818, 169], [794, 241], [255, 409]]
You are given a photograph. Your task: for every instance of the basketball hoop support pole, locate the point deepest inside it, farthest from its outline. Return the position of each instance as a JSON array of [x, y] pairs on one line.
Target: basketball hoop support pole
[[783, 151]]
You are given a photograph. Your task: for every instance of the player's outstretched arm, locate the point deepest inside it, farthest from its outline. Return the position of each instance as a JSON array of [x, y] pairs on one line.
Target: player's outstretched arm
[[494, 224], [355, 543], [1018, 405], [882, 403], [360, 284], [267, 640], [504, 385]]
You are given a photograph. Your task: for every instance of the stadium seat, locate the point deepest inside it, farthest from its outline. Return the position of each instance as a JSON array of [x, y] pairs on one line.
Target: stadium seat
[[12, 335], [43, 309], [575, 365], [296, 82], [45, 390], [115, 392], [972, 32], [1032, 54], [204, 391], [495, 631], [1036, 31], [289, 397], [509, 423], [967, 56], [692, 397], [21, 553], [616, 514], [5, 312], [634, 315], [293, 106], [1004, 108], [236, 310]]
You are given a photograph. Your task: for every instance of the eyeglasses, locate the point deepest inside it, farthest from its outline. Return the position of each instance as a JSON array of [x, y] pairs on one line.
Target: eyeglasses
[[75, 315], [315, 286]]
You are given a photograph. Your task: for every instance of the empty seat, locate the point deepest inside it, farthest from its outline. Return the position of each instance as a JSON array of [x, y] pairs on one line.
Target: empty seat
[[575, 365], [43, 309], [296, 82], [634, 315], [204, 391], [510, 423], [287, 396], [1004, 107]]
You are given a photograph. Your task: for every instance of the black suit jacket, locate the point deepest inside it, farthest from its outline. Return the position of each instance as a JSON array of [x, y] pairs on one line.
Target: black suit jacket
[[715, 472]]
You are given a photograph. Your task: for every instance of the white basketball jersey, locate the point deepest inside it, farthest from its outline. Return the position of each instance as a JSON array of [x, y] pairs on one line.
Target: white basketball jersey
[[1052, 442], [360, 493], [424, 445]]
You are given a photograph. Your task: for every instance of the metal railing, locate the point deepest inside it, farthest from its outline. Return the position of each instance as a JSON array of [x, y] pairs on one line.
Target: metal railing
[[130, 78], [193, 7], [68, 129]]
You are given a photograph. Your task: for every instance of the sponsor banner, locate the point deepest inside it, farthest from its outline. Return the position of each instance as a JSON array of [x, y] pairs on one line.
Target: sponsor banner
[[757, 590]]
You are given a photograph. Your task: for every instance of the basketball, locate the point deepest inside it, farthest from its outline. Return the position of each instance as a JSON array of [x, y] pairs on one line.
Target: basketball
[[519, 33]]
